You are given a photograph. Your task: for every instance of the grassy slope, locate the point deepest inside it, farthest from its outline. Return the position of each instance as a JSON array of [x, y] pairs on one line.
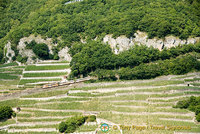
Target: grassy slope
[[107, 106]]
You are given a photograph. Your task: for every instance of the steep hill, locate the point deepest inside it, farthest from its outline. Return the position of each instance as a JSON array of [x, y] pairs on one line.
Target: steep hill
[[68, 23]]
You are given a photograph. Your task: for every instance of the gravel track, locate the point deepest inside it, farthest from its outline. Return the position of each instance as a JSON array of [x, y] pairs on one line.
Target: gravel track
[[175, 119], [154, 113], [33, 130], [133, 106], [55, 110], [174, 97], [115, 112], [57, 102], [47, 117]]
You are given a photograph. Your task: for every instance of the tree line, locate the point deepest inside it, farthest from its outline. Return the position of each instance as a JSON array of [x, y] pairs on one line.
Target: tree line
[[87, 58], [96, 18]]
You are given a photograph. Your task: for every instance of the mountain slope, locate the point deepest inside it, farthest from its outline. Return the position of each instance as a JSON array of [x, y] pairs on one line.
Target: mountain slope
[[91, 18]]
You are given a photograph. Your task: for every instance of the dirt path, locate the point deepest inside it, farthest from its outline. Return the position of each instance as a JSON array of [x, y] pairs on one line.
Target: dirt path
[[174, 97], [56, 97], [32, 130], [131, 88], [20, 124], [175, 119], [55, 110], [140, 101], [45, 117], [100, 84], [185, 133], [154, 113], [46, 98], [116, 112], [134, 106], [36, 123], [58, 102], [37, 90]]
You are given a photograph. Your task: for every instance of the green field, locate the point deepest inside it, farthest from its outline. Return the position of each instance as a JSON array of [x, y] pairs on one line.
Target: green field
[[53, 62], [36, 68], [43, 74], [9, 78], [9, 64]]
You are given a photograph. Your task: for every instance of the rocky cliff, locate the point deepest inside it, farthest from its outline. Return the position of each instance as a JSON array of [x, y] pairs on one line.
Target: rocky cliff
[[123, 43], [63, 54], [118, 45]]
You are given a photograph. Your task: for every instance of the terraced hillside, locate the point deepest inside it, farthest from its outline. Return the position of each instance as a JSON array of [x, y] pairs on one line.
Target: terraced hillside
[[44, 72], [15, 78], [140, 103], [10, 77]]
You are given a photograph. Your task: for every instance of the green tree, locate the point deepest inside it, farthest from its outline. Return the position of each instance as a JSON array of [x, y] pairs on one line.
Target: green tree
[[41, 50], [1, 55], [5, 112]]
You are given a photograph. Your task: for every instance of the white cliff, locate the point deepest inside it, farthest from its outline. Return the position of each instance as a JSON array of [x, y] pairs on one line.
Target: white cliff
[[64, 54], [9, 53], [123, 43]]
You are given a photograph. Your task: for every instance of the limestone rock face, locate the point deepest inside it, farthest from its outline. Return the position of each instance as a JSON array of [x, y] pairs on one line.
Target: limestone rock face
[[192, 40], [123, 43], [9, 52], [28, 52], [119, 44], [64, 55]]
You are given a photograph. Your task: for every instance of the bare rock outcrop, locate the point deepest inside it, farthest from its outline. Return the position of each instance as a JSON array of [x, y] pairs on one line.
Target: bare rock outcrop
[[9, 53], [123, 43], [119, 44], [64, 54], [28, 52], [24, 52]]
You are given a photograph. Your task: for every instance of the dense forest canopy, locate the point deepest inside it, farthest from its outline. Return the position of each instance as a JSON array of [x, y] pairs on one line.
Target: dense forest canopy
[[87, 58], [91, 18]]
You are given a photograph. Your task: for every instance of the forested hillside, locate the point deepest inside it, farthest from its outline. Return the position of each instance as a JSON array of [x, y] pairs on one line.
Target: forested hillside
[[139, 62], [92, 18]]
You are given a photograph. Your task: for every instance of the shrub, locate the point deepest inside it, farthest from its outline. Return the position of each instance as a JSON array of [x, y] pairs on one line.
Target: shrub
[[62, 127], [197, 109], [14, 58], [80, 120], [6, 112], [70, 128], [22, 59], [30, 45], [91, 118], [41, 50], [193, 104], [182, 104], [72, 123], [198, 117]]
